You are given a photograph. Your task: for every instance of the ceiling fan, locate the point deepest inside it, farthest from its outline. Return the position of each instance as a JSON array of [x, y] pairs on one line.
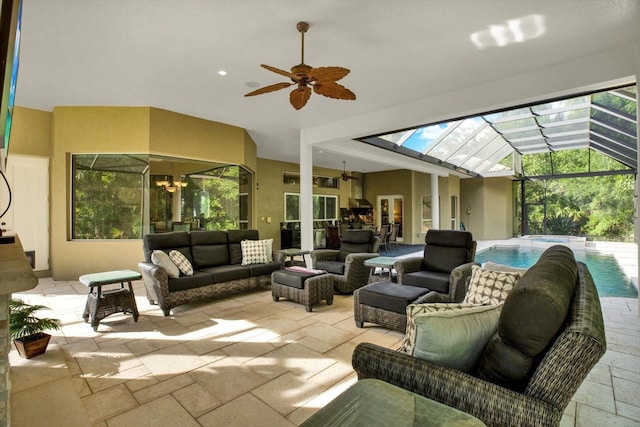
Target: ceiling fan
[[322, 79], [345, 176]]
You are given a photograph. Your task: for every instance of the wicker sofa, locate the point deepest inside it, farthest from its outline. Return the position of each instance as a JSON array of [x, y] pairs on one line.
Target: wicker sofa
[[216, 257], [555, 290]]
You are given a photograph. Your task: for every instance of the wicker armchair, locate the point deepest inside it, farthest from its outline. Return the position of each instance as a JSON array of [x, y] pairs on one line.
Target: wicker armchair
[[540, 401], [398, 321], [346, 264], [438, 276]]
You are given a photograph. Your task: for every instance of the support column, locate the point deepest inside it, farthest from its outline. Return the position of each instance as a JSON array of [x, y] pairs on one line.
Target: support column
[[306, 193], [435, 202]]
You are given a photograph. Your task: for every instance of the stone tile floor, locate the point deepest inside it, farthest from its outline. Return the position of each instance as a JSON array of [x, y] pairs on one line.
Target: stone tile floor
[[244, 361]]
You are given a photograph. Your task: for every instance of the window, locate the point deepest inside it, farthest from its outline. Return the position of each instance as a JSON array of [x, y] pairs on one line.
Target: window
[[426, 213], [124, 196], [107, 195], [325, 208], [293, 178], [454, 212]]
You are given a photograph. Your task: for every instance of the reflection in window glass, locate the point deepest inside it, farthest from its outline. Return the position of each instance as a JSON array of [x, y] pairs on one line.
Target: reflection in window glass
[[107, 195], [324, 208]]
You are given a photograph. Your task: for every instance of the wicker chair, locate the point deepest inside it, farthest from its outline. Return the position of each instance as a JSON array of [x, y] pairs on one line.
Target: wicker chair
[[544, 394], [451, 252], [347, 263]]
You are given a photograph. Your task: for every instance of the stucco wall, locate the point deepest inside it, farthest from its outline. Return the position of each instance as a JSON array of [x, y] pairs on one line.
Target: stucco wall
[[271, 189], [125, 130], [487, 208]]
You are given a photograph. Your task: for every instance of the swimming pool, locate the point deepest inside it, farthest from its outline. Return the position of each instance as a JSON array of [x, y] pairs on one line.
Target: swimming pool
[[607, 274]]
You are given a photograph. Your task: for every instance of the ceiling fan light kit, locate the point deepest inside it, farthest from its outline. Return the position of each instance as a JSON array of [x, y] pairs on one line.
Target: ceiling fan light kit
[[323, 80]]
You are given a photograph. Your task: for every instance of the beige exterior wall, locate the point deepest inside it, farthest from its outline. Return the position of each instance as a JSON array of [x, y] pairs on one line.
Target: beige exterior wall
[[271, 189], [30, 132], [412, 186], [125, 130], [489, 205]]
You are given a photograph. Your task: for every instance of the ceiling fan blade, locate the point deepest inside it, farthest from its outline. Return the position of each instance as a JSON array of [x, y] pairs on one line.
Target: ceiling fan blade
[[281, 72], [334, 90], [327, 74], [269, 88], [299, 96]]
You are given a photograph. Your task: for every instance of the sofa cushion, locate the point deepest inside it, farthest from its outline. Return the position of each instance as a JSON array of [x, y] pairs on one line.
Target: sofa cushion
[[256, 270], [533, 313], [268, 246], [414, 310], [166, 241], [355, 241], [198, 280], [446, 249], [181, 262], [334, 267], [390, 296], [162, 259], [225, 273], [455, 338], [443, 258], [295, 279], [234, 238], [253, 252], [209, 248], [431, 280], [489, 286]]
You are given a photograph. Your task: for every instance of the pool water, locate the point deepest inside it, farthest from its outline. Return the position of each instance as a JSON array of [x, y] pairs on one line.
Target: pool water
[[607, 274]]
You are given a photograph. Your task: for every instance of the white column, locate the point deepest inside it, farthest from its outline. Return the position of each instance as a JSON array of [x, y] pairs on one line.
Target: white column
[[306, 193], [435, 202], [636, 192]]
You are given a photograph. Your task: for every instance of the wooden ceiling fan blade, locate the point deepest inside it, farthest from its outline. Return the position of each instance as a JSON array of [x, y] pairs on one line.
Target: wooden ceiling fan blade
[[334, 90], [327, 74], [281, 72], [299, 96], [270, 88]]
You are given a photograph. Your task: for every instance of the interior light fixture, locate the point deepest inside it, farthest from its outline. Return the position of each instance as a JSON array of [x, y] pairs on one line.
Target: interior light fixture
[[223, 73], [171, 186]]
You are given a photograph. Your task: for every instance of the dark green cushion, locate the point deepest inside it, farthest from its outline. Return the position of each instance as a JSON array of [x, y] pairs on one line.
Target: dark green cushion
[[532, 316], [334, 267], [295, 279], [234, 239], [225, 273], [256, 270], [183, 283], [432, 280], [390, 296]]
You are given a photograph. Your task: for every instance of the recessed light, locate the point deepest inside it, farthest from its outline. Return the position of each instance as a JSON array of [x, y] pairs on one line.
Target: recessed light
[[222, 73]]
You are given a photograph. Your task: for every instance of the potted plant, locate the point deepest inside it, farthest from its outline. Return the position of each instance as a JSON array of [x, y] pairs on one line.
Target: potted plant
[[27, 330]]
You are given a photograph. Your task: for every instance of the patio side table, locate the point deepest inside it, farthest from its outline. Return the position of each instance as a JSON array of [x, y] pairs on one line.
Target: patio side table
[[102, 303]]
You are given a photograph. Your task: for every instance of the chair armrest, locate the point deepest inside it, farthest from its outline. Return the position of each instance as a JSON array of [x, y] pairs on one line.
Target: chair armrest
[[493, 404], [323, 255], [156, 281], [279, 257], [407, 265]]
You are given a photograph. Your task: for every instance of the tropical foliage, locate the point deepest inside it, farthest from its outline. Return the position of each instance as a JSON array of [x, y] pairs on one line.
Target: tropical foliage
[[23, 322]]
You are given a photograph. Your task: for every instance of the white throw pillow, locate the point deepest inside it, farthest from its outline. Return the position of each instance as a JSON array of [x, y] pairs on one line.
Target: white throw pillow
[[490, 286], [162, 259], [455, 338], [268, 248], [253, 252], [182, 262]]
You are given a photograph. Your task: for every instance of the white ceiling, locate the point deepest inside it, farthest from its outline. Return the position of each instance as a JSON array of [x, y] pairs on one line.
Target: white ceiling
[[166, 53]]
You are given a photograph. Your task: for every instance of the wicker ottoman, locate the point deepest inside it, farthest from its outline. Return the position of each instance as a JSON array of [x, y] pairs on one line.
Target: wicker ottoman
[[102, 302], [303, 288]]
